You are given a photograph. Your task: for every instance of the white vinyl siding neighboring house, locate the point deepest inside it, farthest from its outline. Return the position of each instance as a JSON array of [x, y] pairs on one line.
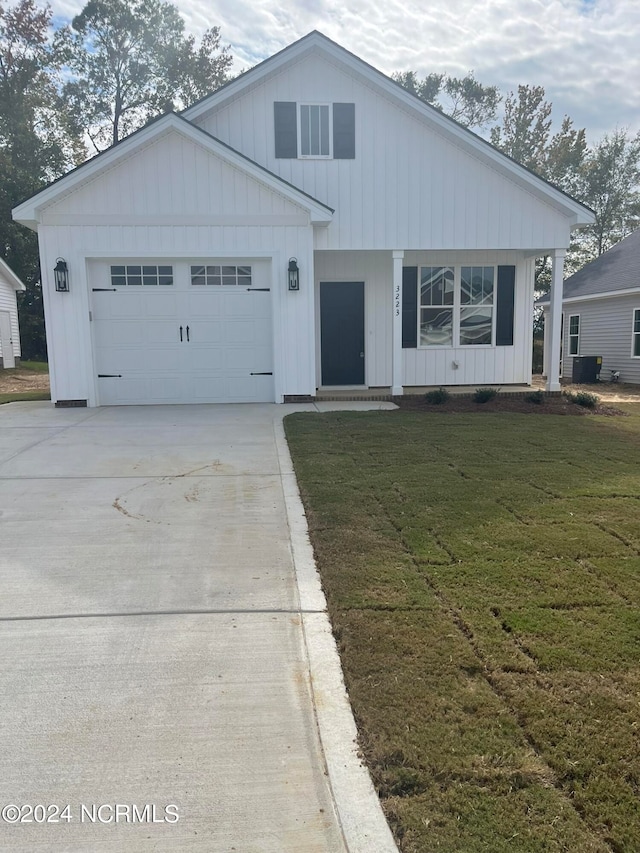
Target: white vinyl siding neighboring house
[[311, 159], [10, 284], [602, 313], [606, 329]]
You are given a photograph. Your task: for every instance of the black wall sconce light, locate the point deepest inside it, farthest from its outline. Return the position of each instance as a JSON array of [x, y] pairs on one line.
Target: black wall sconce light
[[61, 275], [293, 274]]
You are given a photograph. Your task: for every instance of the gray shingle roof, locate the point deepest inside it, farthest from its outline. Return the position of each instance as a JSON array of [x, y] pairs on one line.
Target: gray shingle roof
[[617, 269]]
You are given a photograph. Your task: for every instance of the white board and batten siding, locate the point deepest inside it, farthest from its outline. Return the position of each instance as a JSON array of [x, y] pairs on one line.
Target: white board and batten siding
[[408, 187], [606, 329], [432, 365], [172, 202]]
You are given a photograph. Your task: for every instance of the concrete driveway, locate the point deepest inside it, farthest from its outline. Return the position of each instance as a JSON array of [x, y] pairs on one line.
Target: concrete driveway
[[151, 650]]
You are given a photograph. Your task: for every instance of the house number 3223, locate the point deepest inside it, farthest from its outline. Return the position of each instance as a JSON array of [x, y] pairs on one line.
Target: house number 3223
[[396, 300]]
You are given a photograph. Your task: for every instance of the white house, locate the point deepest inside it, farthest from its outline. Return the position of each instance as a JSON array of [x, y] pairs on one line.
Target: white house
[[601, 304], [309, 225], [10, 284]]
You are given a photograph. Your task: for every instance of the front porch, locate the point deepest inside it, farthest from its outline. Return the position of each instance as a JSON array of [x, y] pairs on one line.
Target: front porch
[[394, 323]]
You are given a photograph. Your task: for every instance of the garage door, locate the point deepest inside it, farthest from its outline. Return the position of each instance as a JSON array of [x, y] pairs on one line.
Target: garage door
[[196, 331]]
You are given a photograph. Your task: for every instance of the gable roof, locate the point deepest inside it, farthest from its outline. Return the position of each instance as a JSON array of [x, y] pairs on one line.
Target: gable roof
[[614, 272], [316, 42], [28, 212], [8, 275]]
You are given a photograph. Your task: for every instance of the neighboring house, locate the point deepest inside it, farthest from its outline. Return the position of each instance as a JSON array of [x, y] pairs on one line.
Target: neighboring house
[[309, 225], [10, 284], [601, 312]]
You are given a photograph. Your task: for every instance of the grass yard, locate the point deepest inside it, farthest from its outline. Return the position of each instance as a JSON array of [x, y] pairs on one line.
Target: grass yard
[[483, 579]]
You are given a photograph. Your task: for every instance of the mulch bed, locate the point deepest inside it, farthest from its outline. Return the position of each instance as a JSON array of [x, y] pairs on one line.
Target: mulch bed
[[456, 404]]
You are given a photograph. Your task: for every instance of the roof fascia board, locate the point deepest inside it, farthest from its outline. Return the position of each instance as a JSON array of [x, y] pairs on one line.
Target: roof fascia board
[[578, 213], [629, 291], [609, 294], [29, 211], [267, 68], [13, 279]]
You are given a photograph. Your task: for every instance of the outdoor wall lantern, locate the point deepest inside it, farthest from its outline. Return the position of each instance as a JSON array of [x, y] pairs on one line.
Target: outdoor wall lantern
[[61, 275], [294, 274]]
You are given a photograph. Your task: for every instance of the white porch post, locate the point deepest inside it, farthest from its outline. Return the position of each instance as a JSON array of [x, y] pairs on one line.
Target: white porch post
[[396, 355], [555, 320], [545, 343]]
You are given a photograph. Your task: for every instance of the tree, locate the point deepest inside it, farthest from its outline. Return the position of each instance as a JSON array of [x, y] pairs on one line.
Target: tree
[[564, 158], [525, 127], [130, 60], [462, 98], [611, 187], [36, 145]]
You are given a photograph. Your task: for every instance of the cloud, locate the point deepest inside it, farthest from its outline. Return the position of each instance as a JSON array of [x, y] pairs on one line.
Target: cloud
[[584, 52]]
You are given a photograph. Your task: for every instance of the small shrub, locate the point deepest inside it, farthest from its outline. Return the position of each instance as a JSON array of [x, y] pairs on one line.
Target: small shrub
[[483, 395], [437, 396], [535, 397], [584, 398]]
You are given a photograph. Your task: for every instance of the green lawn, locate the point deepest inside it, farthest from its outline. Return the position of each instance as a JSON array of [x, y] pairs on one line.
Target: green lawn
[[37, 366], [483, 579], [22, 396]]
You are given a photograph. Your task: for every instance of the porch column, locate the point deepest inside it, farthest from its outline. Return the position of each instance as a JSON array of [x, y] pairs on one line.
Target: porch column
[[555, 320], [545, 342], [396, 353]]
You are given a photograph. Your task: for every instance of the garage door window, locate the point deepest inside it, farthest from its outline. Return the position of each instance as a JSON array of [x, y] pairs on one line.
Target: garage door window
[[141, 276], [221, 276]]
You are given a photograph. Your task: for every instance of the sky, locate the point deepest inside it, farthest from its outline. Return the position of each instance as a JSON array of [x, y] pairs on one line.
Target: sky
[[586, 53]]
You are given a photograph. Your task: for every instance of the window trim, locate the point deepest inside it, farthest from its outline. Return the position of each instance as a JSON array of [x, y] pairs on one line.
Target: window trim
[[635, 335], [571, 336], [126, 275], [457, 308], [329, 107], [241, 279]]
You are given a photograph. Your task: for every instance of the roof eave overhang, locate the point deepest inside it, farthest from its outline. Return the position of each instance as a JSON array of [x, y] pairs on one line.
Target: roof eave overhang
[[11, 277], [590, 297], [29, 212]]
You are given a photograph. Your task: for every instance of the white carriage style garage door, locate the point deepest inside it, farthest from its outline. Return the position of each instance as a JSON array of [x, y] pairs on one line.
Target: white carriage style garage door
[[188, 331]]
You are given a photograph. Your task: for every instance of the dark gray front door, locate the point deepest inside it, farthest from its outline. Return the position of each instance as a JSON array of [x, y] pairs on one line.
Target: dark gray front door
[[342, 332]]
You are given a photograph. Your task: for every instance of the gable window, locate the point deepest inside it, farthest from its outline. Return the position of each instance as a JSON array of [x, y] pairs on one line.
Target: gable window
[[133, 275], [636, 333], [221, 275], [574, 334], [314, 130], [476, 305], [436, 297]]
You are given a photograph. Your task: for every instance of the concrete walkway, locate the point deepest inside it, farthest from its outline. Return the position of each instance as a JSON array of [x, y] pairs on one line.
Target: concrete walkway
[[152, 644]]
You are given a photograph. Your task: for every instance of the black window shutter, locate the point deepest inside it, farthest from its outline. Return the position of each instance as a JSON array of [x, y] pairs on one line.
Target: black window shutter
[[285, 120], [504, 306], [409, 307], [344, 131]]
